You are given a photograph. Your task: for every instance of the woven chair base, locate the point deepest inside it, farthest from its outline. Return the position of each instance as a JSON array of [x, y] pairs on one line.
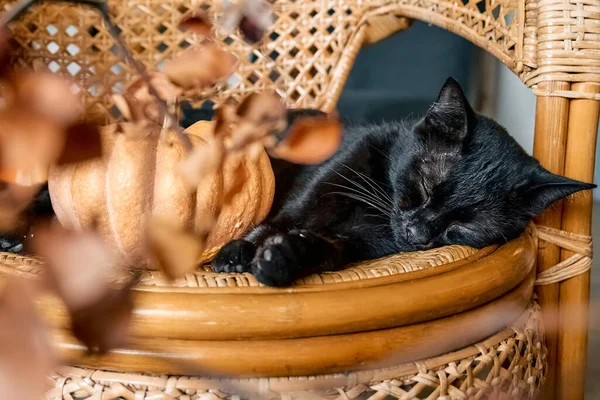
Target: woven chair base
[[348, 334], [508, 365]]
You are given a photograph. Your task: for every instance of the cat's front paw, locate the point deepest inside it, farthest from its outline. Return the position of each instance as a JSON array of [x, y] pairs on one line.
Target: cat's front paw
[[277, 261], [235, 256], [10, 244]]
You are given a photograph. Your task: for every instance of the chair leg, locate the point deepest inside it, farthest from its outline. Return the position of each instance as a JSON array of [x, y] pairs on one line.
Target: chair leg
[[577, 218], [549, 146]]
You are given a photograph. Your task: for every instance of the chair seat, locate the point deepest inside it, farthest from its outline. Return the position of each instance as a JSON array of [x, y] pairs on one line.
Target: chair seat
[[327, 323]]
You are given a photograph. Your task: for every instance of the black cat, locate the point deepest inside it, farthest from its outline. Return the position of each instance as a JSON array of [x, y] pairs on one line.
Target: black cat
[[453, 177]]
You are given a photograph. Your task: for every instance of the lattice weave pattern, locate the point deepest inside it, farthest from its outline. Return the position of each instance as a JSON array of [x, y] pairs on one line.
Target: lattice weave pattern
[[205, 277], [511, 365], [309, 51]]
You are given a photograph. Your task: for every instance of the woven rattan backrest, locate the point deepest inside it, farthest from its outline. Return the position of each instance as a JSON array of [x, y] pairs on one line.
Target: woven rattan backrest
[[310, 49], [305, 57]]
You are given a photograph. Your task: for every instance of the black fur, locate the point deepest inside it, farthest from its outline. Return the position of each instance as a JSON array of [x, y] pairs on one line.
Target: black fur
[[453, 177]]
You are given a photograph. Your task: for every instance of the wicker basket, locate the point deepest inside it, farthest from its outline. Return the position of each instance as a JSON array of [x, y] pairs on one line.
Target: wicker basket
[[314, 333], [510, 364]]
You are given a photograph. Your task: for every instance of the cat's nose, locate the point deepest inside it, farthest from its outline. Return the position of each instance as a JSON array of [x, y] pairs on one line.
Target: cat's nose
[[414, 235]]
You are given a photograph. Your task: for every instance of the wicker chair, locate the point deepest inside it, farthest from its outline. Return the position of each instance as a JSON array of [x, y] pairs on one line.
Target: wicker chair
[[389, 327]]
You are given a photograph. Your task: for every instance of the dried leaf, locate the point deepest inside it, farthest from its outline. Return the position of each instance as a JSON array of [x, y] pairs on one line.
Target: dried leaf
[[5, 35], [104, 324], [174, 250], [261, 108], [79, 264], [27, 354], [203, 226], [200, 67], [251, 31], [164, 87], [255, 150], [203, 160], [310, 140], [29, 144], [198, 24], [240, 176], [252, 17], [14, 200], [79, 267], [122, 105], [83, 143], [48, 95], [257, 18], [224, 116], [139, 105], [260, 114], [230, 19]]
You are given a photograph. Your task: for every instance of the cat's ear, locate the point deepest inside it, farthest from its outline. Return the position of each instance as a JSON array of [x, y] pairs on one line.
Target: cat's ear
[[450, 115], [548, 188]]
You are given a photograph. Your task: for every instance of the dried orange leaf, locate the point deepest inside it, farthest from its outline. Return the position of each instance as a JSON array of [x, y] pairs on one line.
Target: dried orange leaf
[[200, 67], [27, 354], [310, 140], [122, 105], [82, 143], [174, 250], [203, 160], [256, 19], [252, 17], [246, 133], [79, 267], [255, 150], [230, 19], [79, 264], [240, 176], [104, 324], [164, 87], [198, 24], [29, 144], [140, 105], [224, 116], [48, 95], [262, 107], [5, 35]]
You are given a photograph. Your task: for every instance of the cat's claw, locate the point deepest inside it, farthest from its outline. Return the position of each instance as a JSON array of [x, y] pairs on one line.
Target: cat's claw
[[234, 257]]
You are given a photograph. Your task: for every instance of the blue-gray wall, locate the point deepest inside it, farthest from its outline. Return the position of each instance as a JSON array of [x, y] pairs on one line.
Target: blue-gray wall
[[402, 74]]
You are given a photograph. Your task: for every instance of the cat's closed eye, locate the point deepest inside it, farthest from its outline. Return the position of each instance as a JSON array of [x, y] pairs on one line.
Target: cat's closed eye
[[425, 189], [455, 232]]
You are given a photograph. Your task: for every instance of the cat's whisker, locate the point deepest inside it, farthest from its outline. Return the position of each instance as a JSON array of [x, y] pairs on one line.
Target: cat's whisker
[[363, 193], [364, 200], [373, 215], [369, 181], [366, 195], [375, 185], [363, 190], [381, 152]]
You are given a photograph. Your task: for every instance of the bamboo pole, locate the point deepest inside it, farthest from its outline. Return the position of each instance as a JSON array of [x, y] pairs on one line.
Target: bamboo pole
[[577, 218], [549, 146]]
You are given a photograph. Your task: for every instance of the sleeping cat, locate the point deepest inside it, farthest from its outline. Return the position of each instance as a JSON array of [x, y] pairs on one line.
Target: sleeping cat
[[453, 177]]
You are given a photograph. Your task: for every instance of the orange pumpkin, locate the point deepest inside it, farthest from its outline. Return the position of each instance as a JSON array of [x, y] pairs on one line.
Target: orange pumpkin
[[138, 178]]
